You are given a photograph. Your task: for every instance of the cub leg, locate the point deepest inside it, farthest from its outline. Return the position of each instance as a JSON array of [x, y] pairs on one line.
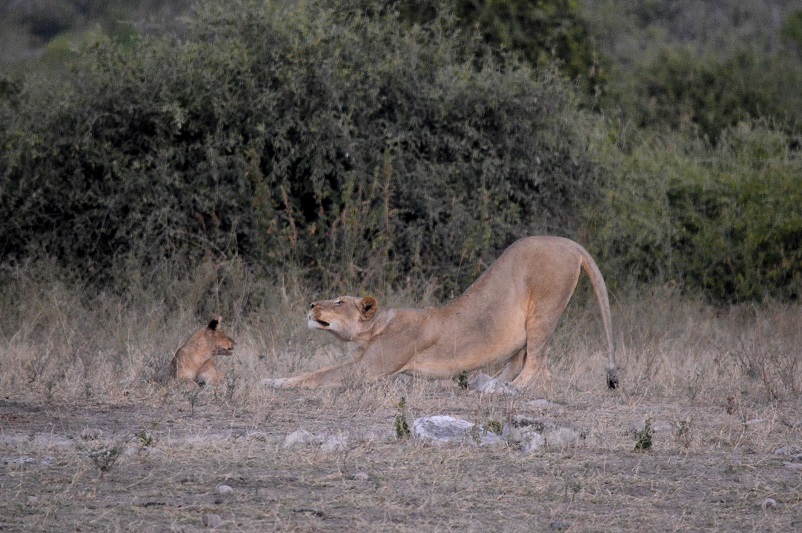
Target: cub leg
[[208, 374]]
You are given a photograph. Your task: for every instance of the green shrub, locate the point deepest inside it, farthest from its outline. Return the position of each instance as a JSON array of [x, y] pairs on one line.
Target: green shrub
[[723, 222], [351, 145]]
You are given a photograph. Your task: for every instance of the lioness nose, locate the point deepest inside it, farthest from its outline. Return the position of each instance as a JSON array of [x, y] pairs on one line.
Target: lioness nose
[[312, 305]]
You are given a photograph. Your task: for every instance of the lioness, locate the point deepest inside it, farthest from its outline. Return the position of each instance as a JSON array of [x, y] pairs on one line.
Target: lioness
[[193, 363], [507, 315]]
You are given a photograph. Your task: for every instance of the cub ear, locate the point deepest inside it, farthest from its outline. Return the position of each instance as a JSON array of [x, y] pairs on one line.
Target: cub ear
[[215, 322], [368, 307]]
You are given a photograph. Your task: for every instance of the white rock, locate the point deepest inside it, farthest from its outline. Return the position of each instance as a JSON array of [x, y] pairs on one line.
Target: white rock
[[788, 450], [333, 444], [212, 521], [448, 429], [485, 384], [533, 434], [224, 489], [302, 438], [91, 433], [768, 503]]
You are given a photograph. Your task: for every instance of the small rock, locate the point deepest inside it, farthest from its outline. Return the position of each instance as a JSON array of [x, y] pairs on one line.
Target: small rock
[[541, 403], [448, 429], [533, 434], [788, 450], [485, 384], [256, 435], [224, 489], [768, 503], [334, 444], [301, 438], [91, 433], [361, 476], [212, 521], [33, 500], [531, 442]]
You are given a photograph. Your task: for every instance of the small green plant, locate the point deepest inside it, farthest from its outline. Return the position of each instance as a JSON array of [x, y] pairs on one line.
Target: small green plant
[[462, 380], [643, 438], [572, 487], [104, 458], [401, 426], [146, 439], [192, 396], [494, 426], [684, 432]]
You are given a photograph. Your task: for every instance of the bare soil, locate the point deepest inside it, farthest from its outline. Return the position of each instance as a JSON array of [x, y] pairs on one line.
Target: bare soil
[[157, 460]]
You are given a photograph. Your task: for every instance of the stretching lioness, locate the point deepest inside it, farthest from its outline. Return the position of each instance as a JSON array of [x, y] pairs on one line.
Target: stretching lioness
[[507, 315], [193, 363]]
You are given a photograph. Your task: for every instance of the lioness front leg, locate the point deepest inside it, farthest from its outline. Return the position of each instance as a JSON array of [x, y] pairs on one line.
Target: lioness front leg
[[331, 376]]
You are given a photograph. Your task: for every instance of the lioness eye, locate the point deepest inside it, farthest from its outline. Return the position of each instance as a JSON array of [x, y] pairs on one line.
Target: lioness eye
[[338, 302]]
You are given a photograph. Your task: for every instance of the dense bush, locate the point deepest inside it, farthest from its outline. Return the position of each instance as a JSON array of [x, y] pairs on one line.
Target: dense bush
[[722, 222], [700, 67], [327, 138], [364, 147]]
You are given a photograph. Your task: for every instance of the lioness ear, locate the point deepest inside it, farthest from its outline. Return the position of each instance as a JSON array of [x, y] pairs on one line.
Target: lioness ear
[[214, 323], [368, 306]]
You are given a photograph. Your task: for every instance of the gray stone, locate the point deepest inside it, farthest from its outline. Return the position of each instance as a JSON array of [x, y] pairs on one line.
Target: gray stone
[[450, 430], [334, 443], [485, 384], [533, 434], [212, 521], [302, 438], [788, 450], [91, 433]]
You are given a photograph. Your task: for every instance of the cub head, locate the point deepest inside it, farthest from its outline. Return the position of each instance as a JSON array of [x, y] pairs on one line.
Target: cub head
[[221, 343], [346, 317]]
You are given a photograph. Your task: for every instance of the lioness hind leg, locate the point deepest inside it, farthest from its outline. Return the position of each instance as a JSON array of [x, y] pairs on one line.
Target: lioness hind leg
[[513, 367], [538, 334]]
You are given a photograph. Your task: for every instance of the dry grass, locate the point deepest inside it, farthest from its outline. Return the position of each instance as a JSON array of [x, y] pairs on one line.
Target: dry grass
[[89, 443]]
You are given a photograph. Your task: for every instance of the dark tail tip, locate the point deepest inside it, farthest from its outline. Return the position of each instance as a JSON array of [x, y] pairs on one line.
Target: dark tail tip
[[612, 378]]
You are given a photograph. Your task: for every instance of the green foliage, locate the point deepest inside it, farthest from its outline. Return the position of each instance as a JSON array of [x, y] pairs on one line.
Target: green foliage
[[723, 222], [350, 145], [402, 430], [462, 380], [643, 437], [700, 67], [540, 31]]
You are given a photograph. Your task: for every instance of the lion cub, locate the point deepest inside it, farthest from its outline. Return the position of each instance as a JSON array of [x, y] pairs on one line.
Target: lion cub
[[193, 363]]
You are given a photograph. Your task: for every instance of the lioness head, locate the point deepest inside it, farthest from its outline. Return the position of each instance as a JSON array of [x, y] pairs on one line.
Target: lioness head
[[346, 317], [221, 343]]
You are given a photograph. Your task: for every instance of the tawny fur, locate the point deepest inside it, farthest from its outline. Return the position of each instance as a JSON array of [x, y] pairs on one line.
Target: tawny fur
[[507, 316], [193, 363]]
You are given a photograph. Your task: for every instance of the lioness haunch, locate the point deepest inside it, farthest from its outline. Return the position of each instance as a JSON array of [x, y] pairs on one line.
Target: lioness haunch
[[507, 316]]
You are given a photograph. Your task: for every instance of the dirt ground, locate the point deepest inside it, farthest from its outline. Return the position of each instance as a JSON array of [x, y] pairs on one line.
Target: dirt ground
[[167, 460]]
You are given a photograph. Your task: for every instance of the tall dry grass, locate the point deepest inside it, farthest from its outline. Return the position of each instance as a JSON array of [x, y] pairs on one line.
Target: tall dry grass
[[62, 340]]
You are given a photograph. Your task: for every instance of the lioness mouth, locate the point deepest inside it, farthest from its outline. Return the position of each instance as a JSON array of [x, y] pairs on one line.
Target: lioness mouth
[[323, 323]]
